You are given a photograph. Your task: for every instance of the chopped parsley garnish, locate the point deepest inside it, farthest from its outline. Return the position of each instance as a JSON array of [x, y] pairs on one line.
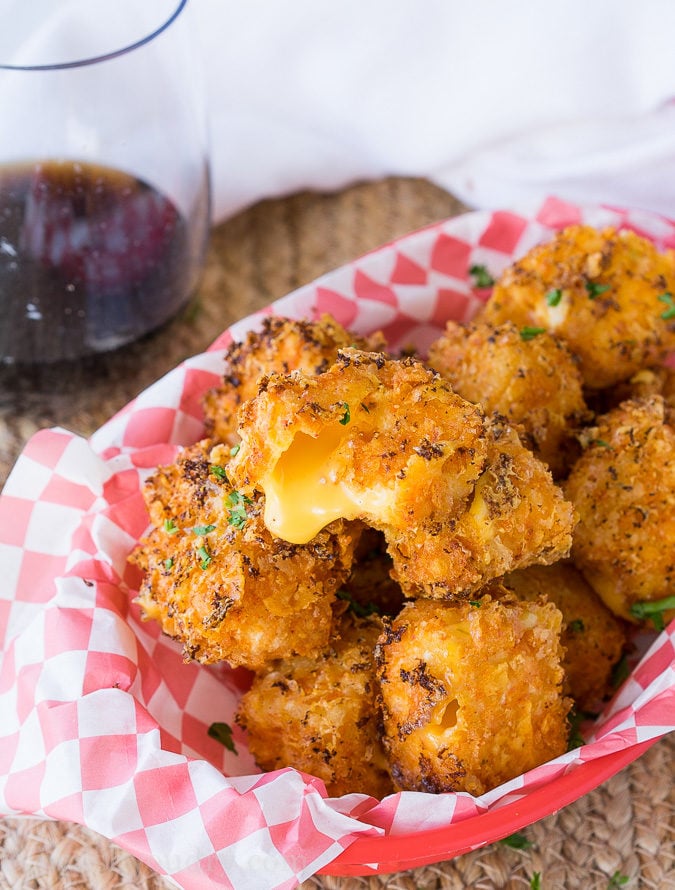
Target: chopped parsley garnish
[[553, 297], [236, 514], [168, 564], [218, 471], [170, 527], [668, 313], [617, 880], [517, 841], [577, 626], [481, 276], [205, 556], [202, 530], [234, 451], [535, 881], [346, 417], [359, 609], [594, 290], [528, 333], [575, 739], [653, 610], [476, 603], [620, 672], [222, 732], [601, 443]]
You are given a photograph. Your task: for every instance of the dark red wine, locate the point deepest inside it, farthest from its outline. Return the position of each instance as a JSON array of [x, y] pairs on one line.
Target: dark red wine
[[90, 258]]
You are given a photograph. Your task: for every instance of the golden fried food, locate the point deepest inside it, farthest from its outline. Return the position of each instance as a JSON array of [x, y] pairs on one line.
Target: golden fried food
[[457, 496], [608, 294], [471, 693], [516, 517], [217, 581], [593, 639], [281, 346], [320, 715], [623, 486], [532, 380]]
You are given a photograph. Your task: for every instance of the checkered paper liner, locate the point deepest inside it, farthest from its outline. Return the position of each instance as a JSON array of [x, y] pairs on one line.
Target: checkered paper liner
[[103, 724]]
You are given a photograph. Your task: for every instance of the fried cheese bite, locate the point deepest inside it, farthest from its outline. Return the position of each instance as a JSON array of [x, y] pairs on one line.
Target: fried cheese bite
[[282, 345], [319, 714], [607, 294], [593, 638], [220, 583], [471, 693], [532, 380], [516, 517], [458, 497], [623, 487]]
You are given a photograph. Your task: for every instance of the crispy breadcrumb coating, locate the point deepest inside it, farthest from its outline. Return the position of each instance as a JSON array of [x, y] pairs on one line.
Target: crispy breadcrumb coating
[[593, 638], [218, 582], [623, 486], [604, 292], [533, 381], [282, 345], [516, 517], [320, 714], [457, 496], [471, 693]]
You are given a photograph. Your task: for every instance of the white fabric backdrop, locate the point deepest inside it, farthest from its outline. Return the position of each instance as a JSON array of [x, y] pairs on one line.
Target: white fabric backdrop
[[498, 102]]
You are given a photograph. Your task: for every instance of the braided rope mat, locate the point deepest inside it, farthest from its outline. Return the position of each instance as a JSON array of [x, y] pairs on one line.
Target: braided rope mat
[[622, 830]]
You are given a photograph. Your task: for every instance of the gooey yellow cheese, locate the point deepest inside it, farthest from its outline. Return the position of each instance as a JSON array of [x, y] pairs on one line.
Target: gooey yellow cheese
[[305, 490]]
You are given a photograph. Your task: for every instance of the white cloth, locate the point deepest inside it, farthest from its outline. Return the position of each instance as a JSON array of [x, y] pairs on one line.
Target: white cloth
[[499, 103]]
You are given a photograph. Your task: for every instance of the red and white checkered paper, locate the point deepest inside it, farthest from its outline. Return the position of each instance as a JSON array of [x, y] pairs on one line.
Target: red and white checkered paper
[[103, 724]]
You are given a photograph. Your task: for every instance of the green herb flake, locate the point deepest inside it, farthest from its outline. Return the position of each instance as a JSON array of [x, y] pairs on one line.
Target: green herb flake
[[170, 527], [206, 557], [620, 672], [218, 472], [236, 514], [237, 517], [617, 880], [577, 626], [481, 276], [653, 610], [234, 451], [553, 297], [346, 417], [222, 732], [575, 739], [475, 603], [168, 564], [517, 841], [202, 530], [528, 333], [365, 407], [601, 443], [668, 313], [535, 881], [594, 290]]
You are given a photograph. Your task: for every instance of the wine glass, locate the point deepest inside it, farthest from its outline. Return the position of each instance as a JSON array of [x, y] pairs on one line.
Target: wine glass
[[104, 175]]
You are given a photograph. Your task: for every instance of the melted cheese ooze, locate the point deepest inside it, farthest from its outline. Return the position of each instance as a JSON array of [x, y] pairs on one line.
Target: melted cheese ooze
[[305, 491]]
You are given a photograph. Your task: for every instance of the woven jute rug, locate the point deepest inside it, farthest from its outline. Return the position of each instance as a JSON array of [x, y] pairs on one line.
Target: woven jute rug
[[620, 835]]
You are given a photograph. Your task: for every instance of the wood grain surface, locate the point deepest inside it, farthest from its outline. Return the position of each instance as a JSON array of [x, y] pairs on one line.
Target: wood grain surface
[[622, 830]]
